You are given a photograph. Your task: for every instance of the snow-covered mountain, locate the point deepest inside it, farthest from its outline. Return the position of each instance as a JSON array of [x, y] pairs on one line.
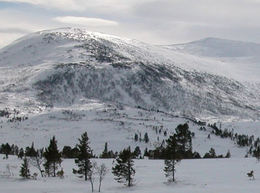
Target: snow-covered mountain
[[236, 59], [61, 67], [216, 47]]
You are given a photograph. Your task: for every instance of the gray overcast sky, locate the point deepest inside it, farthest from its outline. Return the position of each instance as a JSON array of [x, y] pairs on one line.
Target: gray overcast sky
[[152, 21]]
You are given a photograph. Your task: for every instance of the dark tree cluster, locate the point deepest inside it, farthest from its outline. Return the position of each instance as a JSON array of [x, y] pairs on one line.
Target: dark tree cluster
[[140, 139], [240, 139], [108, 153], [5, 113], [183, 137], [212, 154], [9, 149]]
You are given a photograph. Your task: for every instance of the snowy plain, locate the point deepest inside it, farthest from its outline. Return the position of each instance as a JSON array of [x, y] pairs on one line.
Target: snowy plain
[[192, 176]]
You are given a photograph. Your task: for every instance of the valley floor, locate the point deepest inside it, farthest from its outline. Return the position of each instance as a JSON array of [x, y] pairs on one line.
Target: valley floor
[[193, 176]]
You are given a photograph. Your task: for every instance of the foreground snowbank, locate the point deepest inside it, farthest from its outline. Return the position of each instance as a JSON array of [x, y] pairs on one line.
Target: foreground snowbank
[[193, 176]]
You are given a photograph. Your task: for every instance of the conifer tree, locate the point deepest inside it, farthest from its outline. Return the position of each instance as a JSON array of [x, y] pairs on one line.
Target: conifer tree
[[256, 153], [24, 171], [105, 152], [6, 148], [184, 140], [123, 169], [146, 138], [136, 137], [172, 157], [83, 157], [30, 151], [53, 158], [21, 153]]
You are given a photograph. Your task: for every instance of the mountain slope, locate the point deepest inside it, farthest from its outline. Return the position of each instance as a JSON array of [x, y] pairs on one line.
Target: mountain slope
[[236, 59], [60, 67], [216, 47]]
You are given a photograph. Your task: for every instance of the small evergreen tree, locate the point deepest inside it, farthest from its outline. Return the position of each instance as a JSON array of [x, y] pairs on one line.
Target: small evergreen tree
[[172, 157], [83, 158], [123, 169], [146, 153], [21, 153], [30, 151], [146, 138], [256, 153], [105, 152], [210, 154], [52, 158], [24, 171], [228, 155], [6, 148], [137, 152], [184, 140], [136, 137]]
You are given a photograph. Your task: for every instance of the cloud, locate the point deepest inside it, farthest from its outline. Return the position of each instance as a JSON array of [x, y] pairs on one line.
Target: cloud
[[85, 21], [152, 21], [82, 5], [14, 30]]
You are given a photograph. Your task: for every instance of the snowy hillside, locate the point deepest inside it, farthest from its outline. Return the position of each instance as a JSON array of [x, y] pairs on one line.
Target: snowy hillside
[[61, 67], [236, 59]]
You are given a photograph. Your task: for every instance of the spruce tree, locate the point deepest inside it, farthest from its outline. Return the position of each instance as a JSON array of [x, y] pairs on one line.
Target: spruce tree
[[83, 157], [123, 169], [184, 140], [24, 171], [30, 151], [146, 138], [172, 157], [53, 158], [21, 153], [6, 148], [256, 153], [105, 152]]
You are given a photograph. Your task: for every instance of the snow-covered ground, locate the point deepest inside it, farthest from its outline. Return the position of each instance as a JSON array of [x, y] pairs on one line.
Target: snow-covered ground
[[196, 176], [109, 124]]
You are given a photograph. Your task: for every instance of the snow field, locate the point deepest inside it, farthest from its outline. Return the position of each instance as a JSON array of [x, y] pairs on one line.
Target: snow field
[[196, 176]]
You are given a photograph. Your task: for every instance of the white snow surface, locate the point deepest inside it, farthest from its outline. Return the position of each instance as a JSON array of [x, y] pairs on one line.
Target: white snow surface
[[196, 176]]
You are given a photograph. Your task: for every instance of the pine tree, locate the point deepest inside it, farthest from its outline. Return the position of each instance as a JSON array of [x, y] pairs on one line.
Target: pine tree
[[256, 153], [83, 157], [137, 152], [53, 158], [30, 151], [146, 153], [123, 169], [172, 157], [136, 137], [24, 171], [6, 148], [105, 152], [146, 138], [184, 140], [21, 153]]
